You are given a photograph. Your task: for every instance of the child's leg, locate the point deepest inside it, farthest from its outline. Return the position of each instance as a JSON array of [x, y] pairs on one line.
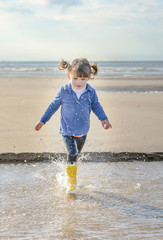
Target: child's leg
[[74, 146], [71, 168], [71, 146], [80, 142]]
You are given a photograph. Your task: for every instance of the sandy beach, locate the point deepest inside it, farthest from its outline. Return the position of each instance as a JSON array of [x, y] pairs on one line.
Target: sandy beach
[[136, 117]]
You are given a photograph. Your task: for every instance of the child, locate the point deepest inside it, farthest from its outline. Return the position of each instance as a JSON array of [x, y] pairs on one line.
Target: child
[[76, 99]]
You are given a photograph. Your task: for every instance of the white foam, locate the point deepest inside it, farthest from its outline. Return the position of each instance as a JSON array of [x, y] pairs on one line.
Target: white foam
[[61, 179], [137, 186]]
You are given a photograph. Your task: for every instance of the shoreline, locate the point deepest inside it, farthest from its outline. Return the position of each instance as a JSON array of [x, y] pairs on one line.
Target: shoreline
[[84, 157]]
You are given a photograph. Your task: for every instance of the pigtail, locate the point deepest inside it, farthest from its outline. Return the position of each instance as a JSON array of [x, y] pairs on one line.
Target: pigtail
[[63, 65], [94, 69], [80, 66]]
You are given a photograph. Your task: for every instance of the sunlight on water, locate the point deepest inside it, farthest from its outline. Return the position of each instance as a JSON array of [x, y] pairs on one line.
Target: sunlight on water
[[106, 68], [113, 201]]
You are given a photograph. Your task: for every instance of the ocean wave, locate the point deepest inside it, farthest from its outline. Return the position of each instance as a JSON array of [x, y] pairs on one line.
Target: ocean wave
[[107, 68]]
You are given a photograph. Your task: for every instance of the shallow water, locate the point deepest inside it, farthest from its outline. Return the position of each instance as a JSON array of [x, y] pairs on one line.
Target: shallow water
[[106, 68], [114, 201]]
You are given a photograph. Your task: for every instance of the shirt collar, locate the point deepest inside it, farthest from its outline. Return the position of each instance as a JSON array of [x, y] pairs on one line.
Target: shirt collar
[[79, 90], [89, 88]]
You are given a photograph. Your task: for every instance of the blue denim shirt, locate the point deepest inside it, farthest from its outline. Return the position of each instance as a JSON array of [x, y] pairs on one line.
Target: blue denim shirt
[[75, 113]]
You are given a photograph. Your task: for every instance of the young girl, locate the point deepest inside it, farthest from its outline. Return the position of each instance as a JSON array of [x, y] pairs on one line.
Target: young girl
[[76, 99]]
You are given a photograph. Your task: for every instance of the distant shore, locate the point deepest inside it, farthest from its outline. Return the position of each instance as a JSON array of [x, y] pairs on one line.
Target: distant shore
[[136, 115]]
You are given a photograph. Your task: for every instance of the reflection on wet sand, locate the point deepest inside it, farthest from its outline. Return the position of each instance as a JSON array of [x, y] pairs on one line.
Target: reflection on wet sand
[[114, 201]]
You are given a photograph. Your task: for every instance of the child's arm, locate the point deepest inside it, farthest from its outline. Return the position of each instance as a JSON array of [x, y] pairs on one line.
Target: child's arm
[[52, 108], [99, 112]]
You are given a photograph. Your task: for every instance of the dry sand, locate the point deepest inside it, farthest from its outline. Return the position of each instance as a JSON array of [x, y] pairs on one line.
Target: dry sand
[[137, 118]]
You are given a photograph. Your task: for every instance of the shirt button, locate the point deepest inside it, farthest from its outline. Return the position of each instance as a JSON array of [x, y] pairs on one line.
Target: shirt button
[[82, 110]]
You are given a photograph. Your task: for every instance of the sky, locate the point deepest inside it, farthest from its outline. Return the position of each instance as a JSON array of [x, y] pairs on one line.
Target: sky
[[113, 30]]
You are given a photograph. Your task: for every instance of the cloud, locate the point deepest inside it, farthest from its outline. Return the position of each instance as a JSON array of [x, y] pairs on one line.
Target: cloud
[[30, 6], [55, 27], [96, 11], [66, 3], [116, 9], [15, 7], [107, 16], [113, 13]]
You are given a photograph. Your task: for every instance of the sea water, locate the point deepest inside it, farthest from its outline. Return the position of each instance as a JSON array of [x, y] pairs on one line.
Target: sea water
[[106, 68], [121, 200]]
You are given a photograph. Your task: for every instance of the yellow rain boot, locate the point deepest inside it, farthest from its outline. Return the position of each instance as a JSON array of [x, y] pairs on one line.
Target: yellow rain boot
[[71, 171]]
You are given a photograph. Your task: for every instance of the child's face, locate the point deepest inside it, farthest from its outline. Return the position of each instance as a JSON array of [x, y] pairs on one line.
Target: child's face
[[77, 82]]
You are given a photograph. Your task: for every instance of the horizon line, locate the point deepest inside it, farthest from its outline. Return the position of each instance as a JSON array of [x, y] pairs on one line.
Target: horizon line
[[153, 60]]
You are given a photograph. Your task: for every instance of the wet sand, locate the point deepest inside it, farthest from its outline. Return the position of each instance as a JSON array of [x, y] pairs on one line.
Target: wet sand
[[136, 116], [113, 201]]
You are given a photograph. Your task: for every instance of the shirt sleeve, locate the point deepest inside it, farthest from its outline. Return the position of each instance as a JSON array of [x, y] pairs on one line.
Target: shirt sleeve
[[52, 108], [97, 108]]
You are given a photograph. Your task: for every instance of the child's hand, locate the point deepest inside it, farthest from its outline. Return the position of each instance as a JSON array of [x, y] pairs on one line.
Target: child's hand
[[38, 126], [106, 124]]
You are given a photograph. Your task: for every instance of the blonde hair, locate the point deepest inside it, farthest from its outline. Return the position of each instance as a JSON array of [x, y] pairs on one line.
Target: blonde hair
[[80, 66]]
